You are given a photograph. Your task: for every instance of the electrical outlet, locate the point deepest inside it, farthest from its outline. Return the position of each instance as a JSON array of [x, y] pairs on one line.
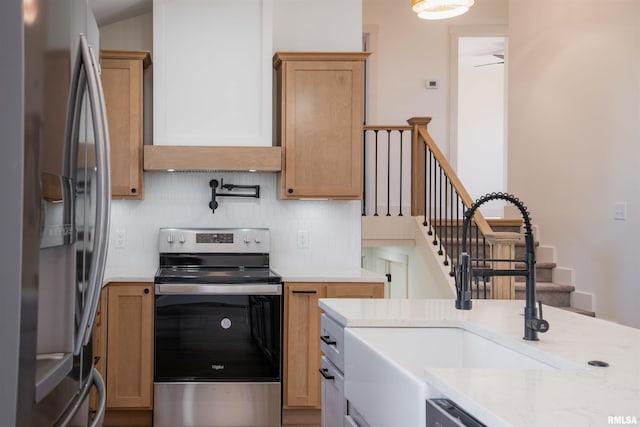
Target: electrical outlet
[[303, 239], [620, 211], [121, 239]]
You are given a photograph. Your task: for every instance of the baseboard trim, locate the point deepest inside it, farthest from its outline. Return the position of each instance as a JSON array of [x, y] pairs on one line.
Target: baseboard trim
[[582, 300], [301, 417], [564, 276], [128, 418]]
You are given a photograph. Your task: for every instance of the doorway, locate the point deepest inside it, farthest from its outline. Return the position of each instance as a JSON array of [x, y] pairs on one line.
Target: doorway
[[478, 112]]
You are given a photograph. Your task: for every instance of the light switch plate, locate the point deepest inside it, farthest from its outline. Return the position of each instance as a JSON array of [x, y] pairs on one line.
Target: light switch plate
[[620, 211], [120, 239], [303, 239]]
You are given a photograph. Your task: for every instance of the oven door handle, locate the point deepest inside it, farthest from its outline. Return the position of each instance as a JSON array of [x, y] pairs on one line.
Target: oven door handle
[[201, 289]]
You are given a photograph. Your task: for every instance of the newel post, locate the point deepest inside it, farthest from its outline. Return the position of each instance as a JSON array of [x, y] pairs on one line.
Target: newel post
[[503, 247], [418, 165]]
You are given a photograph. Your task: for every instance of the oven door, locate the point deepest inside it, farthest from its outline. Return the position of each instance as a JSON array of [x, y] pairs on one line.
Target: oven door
[[218, 333]]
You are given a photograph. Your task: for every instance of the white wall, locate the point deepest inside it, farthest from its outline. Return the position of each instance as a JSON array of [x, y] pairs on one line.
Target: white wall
[[574, 132], [181, 199], [311, 25], [135, 33]]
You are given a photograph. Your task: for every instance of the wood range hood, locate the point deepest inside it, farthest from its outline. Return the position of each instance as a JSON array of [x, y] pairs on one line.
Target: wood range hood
[[205, 158]]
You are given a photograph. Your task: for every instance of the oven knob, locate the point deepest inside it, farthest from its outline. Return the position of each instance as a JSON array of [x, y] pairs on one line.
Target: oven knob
[[170, 238], [181, 239], [247, 240], [257, 240]]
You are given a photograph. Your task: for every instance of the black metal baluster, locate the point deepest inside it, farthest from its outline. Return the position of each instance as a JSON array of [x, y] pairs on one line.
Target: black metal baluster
[[484, 263], [470, 246], [457, 254], [376, 181], [445, 226], [434, 197], [484, 280], [364, 172], [451, 225], [440, 216], [388, 171], [400, 172], [427, 160]]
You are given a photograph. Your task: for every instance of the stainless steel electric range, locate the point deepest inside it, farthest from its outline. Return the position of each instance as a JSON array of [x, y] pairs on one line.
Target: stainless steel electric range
[[218, 329]]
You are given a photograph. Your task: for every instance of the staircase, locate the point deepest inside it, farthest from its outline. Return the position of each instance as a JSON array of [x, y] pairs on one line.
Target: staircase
[[439, 200]]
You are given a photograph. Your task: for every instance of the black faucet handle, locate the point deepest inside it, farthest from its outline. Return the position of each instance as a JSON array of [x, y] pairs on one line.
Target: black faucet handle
[[538, 323], [539, 309]]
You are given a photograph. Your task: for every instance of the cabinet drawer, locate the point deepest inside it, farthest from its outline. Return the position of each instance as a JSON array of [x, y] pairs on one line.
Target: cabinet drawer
[[334, 405], [332, 341]]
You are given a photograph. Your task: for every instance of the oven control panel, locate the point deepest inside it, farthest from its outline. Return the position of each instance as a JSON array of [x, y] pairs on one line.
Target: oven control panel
[[217, 240]]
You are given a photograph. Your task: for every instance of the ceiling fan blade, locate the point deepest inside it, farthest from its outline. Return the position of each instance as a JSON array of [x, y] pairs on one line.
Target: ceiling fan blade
[[491, 63]]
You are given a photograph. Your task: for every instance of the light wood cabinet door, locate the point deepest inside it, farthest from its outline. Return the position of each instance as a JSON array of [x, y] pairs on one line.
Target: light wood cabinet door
[[319, 121], [355, 290], [129, 347], [122, 83], [302, 382], [302, 345]]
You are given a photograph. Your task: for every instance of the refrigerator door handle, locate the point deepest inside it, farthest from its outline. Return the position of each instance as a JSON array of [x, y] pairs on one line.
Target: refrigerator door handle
[[103, 192], [102, 399], [103, 196], [94, 378]]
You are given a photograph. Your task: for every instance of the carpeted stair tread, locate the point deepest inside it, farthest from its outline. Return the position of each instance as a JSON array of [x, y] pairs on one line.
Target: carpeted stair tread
[[547, 287], [549, 293]]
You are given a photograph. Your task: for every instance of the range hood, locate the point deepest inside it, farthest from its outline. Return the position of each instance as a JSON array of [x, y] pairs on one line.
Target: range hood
[[220, 158]]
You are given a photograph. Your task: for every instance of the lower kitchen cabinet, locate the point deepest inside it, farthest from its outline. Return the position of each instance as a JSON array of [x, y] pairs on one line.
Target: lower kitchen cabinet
[[302, 346], [301, 376], [123, 348]]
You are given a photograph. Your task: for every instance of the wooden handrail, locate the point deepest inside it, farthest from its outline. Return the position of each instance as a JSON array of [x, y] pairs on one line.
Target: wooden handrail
[[378, 127], [467, 200]]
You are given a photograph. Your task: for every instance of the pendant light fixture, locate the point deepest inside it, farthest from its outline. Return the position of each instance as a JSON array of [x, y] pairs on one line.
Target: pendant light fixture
[[440, 9]]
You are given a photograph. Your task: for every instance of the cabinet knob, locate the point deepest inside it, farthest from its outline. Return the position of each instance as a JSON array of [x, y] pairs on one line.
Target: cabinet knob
[[133, 191], [290, 190], [146, 290]]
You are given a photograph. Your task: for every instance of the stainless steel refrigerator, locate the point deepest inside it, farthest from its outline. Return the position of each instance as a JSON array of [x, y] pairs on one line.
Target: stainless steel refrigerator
[[55, 193]]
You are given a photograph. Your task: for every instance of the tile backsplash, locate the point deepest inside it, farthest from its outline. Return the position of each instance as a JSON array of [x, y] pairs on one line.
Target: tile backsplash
[[181, 199]]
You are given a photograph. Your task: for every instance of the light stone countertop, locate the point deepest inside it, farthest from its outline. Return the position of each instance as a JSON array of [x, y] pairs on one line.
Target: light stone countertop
[[565, 397], [352, 276], [131, 279]]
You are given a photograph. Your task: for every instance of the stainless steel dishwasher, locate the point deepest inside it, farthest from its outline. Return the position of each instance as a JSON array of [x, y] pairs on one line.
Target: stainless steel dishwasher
[[445, 413]]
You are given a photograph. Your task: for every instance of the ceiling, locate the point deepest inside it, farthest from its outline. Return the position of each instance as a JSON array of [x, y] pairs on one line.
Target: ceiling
[[109, 11]]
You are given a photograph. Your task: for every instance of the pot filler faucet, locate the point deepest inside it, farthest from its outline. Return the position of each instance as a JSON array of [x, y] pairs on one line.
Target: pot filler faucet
[[532, 323]]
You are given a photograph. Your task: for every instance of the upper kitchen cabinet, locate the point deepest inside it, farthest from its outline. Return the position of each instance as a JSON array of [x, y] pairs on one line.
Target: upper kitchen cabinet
[[122, 82], [318, 123], [212, 72]]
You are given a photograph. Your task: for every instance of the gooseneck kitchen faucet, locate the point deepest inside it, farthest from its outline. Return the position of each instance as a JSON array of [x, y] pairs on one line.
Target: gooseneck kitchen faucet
[[532, 323]]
